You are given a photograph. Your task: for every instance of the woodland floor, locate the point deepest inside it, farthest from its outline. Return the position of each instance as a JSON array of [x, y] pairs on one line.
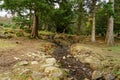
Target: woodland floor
[[13, 49]]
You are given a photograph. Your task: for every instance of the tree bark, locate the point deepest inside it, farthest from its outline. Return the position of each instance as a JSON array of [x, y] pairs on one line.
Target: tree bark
[[93, 39], [35, 25], [110, 34]]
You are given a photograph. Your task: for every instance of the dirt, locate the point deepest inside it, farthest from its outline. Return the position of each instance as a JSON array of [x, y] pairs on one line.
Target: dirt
[[8, 55], [78, 70]]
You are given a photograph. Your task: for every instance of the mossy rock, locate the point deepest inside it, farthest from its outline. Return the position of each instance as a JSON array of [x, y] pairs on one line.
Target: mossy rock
[[19, 34], [27, 30]]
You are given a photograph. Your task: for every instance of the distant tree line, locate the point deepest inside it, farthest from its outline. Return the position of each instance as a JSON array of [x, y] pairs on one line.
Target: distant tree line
[[81, 17]]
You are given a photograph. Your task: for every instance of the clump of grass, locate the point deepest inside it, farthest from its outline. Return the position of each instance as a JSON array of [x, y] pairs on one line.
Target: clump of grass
[[45, 32], [6, 44], [115, 49]]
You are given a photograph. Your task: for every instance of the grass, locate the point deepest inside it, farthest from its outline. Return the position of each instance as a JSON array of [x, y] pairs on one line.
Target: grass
[[115, 49], [6, 44], [45, 32]]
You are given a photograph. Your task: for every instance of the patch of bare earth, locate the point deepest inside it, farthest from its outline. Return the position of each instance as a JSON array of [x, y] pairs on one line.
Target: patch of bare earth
[[11, 55]]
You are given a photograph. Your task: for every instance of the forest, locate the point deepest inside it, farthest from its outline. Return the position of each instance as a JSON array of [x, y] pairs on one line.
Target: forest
[[60, 40]]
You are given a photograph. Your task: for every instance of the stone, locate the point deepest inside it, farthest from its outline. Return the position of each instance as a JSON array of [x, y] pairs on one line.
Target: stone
[[46, 78], [23, 63], [25, 71], [64, 57], [96, 75], [46, 65], [6, 78], [34, 62], [16, 58], [53, 71], [51, 61], [110, 77], [37, 75], [86, 79], [68, 56]]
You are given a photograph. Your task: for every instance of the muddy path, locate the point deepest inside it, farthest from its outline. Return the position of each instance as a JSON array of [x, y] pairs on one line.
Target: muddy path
[[77, 70]]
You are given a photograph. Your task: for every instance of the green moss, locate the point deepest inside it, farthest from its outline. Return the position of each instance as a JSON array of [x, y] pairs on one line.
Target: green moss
[[45, 32], [115, 49], [5, 44], [19, 34]]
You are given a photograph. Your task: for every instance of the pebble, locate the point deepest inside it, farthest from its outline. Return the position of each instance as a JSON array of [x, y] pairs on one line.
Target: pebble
[[51, 61], [23, 63], [34, 62], [110, 77], [64, 57], [25, 71]]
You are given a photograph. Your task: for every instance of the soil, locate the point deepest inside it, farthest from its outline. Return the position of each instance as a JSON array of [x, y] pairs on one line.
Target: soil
[[23, 46], [78, 70]]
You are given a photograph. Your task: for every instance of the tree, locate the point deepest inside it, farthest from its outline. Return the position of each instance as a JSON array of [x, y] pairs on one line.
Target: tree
[[93, 21], [80, 12], [117, 17], [109, 34], [62, 16], [23, 6], [92, 5]]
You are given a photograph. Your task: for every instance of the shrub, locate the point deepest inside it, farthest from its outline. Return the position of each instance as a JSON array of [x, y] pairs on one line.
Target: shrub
[[19, 34]]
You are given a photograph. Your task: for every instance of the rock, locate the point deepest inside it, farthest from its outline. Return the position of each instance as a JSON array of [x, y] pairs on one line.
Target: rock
[[86, 79], [96, 75], [51, 61], [34, 62], [46, 65], [23, 63], [37, 75], [53, 71], [46, 78], [26, 71], [68, 56], [16, 58], [110, 77], [64, 57], [6, 78]]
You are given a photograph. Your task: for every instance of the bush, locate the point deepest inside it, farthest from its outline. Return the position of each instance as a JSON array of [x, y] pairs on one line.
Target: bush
[[19, 34], [27, 30], [6, 25]]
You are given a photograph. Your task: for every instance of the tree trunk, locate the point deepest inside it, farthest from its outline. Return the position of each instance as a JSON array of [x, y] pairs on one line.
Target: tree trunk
[[35, 26], [110, 35], [93, 39], [46, 26]]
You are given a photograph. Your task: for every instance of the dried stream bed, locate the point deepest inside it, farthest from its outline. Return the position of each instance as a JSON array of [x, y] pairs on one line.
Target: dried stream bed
[[77, 70]]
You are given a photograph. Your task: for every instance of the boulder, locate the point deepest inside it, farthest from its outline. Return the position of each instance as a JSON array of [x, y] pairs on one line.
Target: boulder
[[110, 77], [51, 61], [23, 63], [97, 75], [53, 71], [37, 75]]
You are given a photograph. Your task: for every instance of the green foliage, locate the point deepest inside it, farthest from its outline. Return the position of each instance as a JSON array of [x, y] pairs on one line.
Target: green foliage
[[21, 21], [6, 25], [19, 34], [117, 17], [108, 9], [62, 17], [101, 22]]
